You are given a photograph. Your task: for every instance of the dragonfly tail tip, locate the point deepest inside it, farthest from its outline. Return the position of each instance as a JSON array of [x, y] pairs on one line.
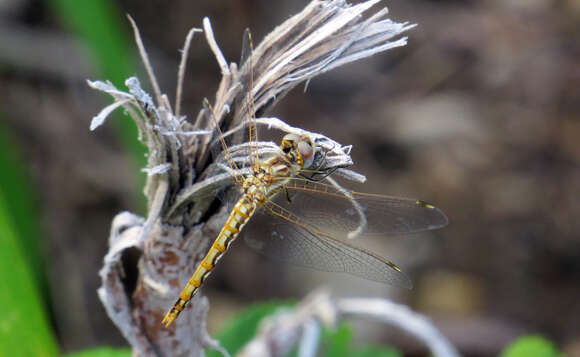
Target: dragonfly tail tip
[[169, 318]]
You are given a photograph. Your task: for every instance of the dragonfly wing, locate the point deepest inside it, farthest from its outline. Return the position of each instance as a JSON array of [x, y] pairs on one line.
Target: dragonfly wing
[[285, 237], [345, 214], [246, 47]]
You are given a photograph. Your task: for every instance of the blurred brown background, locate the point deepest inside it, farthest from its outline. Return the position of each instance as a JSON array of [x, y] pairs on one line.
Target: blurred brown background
[[479, 114]]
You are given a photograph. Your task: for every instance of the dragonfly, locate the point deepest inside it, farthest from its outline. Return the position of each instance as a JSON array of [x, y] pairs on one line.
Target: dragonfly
[[304, 217]]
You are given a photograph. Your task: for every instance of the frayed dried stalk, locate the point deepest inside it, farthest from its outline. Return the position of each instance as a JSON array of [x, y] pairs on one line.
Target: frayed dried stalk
[[181, 175]]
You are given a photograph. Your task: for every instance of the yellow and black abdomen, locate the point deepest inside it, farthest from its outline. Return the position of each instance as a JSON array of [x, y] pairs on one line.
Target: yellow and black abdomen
[[241, 213]]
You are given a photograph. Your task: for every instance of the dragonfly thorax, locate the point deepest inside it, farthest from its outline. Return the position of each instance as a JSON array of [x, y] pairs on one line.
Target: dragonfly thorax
[[268, 177]]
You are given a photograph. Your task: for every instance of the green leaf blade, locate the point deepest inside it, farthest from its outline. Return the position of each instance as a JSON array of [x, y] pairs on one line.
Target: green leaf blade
[[24, 327]]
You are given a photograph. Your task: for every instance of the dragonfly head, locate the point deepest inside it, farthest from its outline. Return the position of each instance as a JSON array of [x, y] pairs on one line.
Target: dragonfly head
[[298, 148]]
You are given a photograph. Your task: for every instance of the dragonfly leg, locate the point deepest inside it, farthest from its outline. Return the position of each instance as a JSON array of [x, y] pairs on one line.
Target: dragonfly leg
[[325, 173], [288, 198], [318, 171]]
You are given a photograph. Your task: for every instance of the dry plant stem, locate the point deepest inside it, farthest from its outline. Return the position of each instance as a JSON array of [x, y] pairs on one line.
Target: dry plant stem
[[280, 333], [182, 179], [181, 71], [400, 316], [145, 59], [310, 338]]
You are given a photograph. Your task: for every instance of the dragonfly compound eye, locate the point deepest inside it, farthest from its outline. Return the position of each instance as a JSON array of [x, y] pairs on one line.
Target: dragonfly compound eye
[[305, 149], [289, 142]]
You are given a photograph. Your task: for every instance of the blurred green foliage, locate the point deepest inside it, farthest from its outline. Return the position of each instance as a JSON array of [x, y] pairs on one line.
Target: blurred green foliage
[[21, 205], [244, 326], [102, 352], [376, 351], [24, 327], [338, 343], [531, 346]]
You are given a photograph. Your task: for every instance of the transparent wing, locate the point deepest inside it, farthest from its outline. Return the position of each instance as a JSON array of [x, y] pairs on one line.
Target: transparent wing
[[344, 214], [246, 47], [283, 236], [247, 52]]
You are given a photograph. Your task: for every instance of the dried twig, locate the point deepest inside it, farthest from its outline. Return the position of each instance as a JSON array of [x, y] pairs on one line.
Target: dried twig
[[181, 175], [282, 332], [400, 316], [181, 72]]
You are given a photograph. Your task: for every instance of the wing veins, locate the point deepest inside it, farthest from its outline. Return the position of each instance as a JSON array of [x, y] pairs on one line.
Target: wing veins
[[340, 248], [237, 177], [325, 189], [405, 215]]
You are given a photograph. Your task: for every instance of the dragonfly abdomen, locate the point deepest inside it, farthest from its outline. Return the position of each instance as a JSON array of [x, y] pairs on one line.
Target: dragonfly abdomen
[[241, 213]]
